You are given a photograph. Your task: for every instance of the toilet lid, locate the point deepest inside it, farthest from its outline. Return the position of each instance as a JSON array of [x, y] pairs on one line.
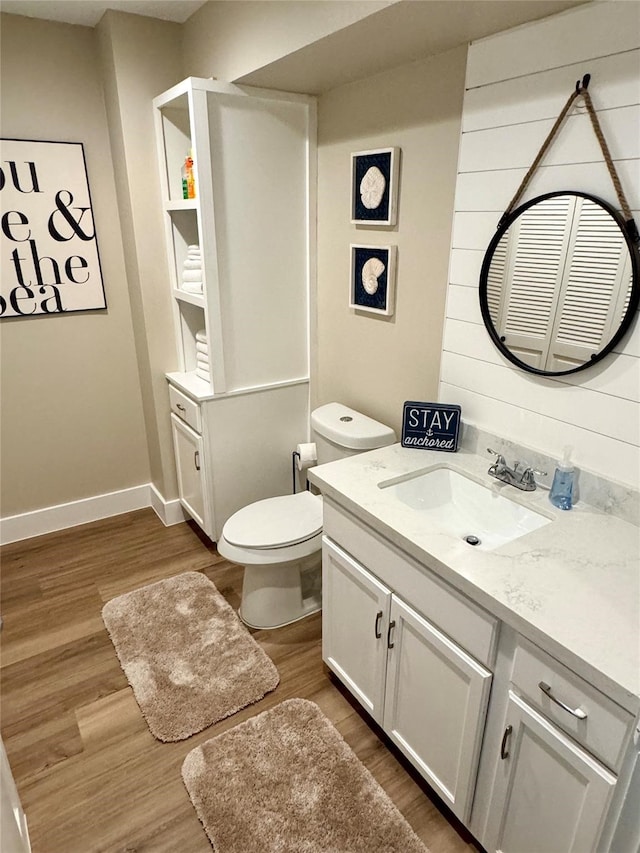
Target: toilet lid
[[276, 522]]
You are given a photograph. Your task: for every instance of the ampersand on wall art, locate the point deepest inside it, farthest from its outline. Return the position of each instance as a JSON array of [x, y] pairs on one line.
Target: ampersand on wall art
[[49, 260]]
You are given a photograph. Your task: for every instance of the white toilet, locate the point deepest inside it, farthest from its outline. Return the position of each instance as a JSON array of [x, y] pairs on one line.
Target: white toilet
[[279, 540]]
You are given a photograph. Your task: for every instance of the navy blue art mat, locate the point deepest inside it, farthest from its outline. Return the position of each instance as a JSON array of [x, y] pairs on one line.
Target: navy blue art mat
[[363, 162], [431, 426], [377, 300]]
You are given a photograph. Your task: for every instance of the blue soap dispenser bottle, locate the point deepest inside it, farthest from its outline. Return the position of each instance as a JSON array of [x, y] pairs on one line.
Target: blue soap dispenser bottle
[[561, 494]]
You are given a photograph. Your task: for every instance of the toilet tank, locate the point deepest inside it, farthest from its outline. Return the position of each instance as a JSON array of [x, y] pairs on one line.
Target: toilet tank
[[339, 431]]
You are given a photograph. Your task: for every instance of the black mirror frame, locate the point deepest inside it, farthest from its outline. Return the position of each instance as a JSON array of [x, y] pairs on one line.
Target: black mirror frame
[[503, 226]]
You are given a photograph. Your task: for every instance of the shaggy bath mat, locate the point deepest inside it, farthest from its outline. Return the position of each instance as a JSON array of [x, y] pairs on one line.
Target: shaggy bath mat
[[188, 657], [286, 781]]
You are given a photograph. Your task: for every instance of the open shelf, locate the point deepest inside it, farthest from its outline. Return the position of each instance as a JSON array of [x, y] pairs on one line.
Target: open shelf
[[192, 298], [181, 204]]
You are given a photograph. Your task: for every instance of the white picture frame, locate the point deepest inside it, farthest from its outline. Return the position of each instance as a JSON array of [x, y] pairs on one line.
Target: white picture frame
[[372, 279], [374, 186]]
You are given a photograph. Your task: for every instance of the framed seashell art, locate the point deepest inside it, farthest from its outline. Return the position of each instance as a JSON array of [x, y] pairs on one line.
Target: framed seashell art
[[374, 186], [373, 270]]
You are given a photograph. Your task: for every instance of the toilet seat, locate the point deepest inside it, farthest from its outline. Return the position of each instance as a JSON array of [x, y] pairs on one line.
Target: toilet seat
[[275, 523]]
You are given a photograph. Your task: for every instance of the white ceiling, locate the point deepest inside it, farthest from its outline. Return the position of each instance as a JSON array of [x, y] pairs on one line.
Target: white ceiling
[[88, 12]]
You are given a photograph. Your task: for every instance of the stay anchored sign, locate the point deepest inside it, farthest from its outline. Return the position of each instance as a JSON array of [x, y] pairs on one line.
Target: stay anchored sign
[[50, 262], [432, 426]]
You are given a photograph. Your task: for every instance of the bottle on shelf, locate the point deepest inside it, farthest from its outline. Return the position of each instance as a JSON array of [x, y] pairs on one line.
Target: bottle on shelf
[[188, 178]]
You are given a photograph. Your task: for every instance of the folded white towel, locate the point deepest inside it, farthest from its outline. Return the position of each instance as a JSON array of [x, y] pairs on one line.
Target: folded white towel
[[202, 348], [201, 336], [191, 286], [192, 275], [203, 363], [203, 374], [192, 264], [194, 247]]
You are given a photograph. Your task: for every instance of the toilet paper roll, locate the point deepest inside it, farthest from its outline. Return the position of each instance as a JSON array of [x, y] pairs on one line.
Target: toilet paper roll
[[307, 455]]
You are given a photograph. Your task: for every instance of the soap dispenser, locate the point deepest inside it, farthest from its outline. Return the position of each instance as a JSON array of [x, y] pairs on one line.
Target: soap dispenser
[[561, 494]]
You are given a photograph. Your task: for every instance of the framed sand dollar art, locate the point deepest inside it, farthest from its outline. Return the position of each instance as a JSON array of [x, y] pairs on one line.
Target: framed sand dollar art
[[374, 186]]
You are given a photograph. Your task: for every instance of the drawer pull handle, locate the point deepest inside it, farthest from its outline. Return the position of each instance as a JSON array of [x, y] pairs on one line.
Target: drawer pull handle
[[392, 625], [577, 712], [504, 752], [377, 630], [180, 407], [196, 459]]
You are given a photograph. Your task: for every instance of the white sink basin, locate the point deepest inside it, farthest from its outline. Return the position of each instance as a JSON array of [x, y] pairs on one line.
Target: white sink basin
[[460, 506]]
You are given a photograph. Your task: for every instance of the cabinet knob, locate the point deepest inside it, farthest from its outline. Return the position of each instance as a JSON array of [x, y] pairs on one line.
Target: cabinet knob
[[504, 752], [377, 631]]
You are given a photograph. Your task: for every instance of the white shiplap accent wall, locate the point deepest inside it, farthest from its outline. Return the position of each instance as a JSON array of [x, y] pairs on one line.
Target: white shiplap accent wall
[[517, 83]]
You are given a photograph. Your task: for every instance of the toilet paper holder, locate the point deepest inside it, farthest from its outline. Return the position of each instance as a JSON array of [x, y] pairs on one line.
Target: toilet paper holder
[[302, 458]]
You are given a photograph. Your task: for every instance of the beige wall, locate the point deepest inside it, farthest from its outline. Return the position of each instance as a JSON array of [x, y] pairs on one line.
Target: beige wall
[[72, 421], [372, 363], [140, 58], [227, 40], [84, 408]]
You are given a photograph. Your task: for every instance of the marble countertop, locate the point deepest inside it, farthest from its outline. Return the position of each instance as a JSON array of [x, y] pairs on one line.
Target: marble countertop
[[572, 586]]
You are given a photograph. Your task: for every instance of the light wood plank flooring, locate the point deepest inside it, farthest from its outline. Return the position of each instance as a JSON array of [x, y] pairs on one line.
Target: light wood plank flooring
[[90, 775]]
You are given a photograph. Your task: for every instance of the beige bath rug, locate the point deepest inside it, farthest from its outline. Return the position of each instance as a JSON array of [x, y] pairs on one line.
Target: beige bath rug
[[188, 657], [286, 782]]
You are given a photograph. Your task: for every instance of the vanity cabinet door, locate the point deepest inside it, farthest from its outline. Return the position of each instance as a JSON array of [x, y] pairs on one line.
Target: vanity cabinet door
[[435, 705], [189, 465], [549, 795], [355, 623]]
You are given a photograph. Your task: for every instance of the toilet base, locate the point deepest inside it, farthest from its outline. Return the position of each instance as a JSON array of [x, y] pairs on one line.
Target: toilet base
[[278, 594]]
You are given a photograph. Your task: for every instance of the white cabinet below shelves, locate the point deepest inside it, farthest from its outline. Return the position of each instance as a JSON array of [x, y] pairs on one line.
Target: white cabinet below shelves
[[232, 450], [425, 691], [192, 482]]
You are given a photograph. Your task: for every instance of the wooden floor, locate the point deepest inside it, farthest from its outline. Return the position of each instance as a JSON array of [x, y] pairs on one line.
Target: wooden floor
[[90, 775]]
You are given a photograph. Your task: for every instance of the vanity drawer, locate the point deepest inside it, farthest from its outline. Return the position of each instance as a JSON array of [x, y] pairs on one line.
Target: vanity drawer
[[185, 408], [605, 729], [468, 625]]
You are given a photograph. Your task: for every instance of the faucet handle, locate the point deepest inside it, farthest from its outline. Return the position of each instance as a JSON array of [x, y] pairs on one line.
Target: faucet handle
[[500, 460], [529, 476]]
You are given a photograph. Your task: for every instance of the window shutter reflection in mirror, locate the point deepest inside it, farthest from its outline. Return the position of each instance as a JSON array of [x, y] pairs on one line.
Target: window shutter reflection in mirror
[[596, 282], [537, 247]]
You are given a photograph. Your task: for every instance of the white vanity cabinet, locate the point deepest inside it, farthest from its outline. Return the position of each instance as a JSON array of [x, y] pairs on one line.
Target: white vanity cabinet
[[528, 754], [426, 691]]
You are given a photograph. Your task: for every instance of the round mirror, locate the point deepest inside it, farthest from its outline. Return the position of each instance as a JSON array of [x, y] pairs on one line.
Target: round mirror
[[559, 285]]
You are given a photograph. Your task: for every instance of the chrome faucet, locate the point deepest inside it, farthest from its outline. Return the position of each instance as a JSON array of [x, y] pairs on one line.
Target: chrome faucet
[[520, 477]]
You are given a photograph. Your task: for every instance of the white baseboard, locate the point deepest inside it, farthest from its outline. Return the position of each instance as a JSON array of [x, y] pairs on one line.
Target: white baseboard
[[17, 527], [169, 512]]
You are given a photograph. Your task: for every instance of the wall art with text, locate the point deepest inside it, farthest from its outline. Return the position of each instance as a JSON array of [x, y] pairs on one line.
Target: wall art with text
[[50, 262]]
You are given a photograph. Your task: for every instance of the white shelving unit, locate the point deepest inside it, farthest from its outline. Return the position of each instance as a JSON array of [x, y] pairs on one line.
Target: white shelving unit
[[253, 217]]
